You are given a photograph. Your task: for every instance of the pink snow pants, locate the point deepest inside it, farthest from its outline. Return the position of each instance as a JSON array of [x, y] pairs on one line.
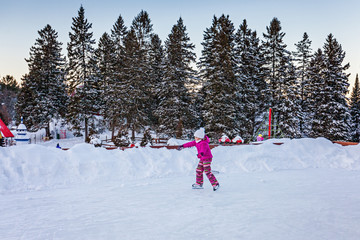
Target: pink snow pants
[[205, 165]]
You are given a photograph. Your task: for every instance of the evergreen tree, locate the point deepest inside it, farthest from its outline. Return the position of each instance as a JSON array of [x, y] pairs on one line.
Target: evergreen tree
[[4, 113], [137, 105], [218, 70], [302, 57], [315, 87], [281, 80], [355, 110], [118, 33], [133, 93], [9, 89], [26, 102], [45, 82], [114, 92], [9, 82], [332, 113], [106, 55], [288, 110], [157, 70], [82, 74], [274, 53], [175, 111], [337, 83], [251, 79], [143, 30]]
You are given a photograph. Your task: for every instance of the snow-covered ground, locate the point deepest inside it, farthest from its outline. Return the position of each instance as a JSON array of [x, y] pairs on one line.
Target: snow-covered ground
[[303, 189]]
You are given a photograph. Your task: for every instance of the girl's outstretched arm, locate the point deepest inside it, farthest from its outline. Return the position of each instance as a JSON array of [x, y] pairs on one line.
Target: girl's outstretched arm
[[189, 144]]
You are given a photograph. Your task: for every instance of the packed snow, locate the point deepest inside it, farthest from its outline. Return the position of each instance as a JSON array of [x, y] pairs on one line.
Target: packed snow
[[302, 189]]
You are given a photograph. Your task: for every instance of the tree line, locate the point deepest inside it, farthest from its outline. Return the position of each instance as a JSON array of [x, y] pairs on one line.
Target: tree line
[[131, 81]]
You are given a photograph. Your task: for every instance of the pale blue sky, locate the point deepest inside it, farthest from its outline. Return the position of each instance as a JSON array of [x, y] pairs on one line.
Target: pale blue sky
[[20, 20]]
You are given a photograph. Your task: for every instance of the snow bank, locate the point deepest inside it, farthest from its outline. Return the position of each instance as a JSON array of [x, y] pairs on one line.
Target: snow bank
[[292, 154], [34, 167]]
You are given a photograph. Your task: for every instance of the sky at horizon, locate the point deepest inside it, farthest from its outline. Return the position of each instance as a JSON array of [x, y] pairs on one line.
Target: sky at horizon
[[21, 20]]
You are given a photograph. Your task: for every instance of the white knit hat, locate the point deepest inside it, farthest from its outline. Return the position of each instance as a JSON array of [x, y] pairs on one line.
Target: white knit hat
[[200, 133]]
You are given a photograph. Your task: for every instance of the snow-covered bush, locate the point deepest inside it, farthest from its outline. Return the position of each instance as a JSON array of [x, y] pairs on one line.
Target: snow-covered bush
[[122, 139]]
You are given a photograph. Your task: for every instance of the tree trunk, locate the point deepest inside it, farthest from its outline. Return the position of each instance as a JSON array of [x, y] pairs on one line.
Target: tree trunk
[[113, 129], [86, 130], [133, 134], [179, 129], [47, 130]]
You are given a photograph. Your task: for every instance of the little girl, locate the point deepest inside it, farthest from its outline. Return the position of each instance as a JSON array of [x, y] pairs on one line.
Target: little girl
[[204, 154]]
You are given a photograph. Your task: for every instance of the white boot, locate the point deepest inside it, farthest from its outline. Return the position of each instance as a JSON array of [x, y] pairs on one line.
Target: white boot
[[216, 187], [197, 186]]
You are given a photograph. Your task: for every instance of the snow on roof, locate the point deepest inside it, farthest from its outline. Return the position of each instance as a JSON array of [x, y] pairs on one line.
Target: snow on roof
[[21, 127]]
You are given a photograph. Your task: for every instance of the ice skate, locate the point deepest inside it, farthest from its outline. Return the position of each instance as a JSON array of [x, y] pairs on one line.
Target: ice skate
[[197, 186]]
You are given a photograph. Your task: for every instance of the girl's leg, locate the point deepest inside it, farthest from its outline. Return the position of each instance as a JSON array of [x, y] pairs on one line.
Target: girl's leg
[[199, 173], [209, 174]]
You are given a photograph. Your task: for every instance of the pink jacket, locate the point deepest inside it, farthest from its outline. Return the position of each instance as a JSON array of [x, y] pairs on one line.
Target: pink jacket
[[202, 147]]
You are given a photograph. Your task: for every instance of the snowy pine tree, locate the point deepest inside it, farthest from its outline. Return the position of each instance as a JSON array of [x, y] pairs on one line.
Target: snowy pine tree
[[332, 117], [114, 93], [355, 111], [83, 75], [302, 58], [9, 82], [315, 86], [251, 79], [218, 69], [281, 80], [9, 89], [289, 108], [274, 53], [26, 101], [175, 112], [105, 59], [135, 98], [118, 33], [44, 92], [156, 74], [105, 56], [137, 82]]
